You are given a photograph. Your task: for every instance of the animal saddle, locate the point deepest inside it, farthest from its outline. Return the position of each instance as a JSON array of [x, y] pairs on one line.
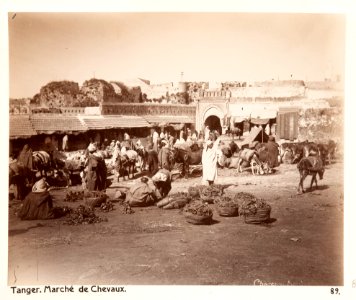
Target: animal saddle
[[316, 163]]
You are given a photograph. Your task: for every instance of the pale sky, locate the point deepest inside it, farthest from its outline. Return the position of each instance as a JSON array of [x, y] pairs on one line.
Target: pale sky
[[44, 47]]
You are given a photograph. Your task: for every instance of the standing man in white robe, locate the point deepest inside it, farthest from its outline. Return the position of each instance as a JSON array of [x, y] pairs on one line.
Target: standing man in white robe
[[209, 161]]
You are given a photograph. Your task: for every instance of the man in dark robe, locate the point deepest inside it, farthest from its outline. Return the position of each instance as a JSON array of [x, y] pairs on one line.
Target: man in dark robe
[[152, 160], [96, 171], [38, 203], [273, 150], [164, 156]]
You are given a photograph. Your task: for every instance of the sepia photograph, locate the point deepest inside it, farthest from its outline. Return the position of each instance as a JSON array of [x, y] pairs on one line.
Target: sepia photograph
[[175, 149]]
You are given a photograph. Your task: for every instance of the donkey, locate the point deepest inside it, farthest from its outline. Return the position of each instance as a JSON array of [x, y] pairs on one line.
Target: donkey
[[310, 165]]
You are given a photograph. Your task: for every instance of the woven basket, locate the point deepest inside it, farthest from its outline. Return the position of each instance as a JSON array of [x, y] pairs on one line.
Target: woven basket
[[261, 215], [228, 211], [197, 219], [94, 201]]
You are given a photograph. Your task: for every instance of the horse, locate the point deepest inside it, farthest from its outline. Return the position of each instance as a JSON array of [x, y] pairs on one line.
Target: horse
[[122, 167], [327, 151], [141, 157], [126, 164], [294, 152], [42, 161], [187, 157], [234, 131], [311, 165], [71, 163]]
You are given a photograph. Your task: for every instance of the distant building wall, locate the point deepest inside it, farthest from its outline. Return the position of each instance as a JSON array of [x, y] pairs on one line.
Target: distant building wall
[[268, 91], [323, 93], [148, 109], [156, 91], [73, 110]]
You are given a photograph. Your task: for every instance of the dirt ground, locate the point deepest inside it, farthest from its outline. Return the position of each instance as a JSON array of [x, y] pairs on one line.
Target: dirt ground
[[303, 245]]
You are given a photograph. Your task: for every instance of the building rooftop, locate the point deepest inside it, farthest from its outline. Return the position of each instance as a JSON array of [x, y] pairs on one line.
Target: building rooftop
[[57, 123], [21, 127]]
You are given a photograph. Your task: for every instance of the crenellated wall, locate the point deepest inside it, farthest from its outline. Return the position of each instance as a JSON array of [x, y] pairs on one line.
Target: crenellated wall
[[148, 109]]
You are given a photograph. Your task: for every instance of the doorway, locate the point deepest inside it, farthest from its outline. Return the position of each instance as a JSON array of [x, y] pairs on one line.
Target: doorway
[[214, 123]]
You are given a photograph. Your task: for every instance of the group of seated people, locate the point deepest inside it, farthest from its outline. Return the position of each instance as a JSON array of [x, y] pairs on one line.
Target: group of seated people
[[38, 204]]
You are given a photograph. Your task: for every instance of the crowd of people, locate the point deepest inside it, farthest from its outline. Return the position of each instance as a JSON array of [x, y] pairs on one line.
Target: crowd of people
[[152, 186]]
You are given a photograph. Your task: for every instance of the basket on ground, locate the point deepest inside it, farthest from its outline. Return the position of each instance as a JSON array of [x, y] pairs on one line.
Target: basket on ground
[[262, 215], [198, 219], [94, 198], [198, 213], [228, 211], [255, 210], [227, 207], [210, 193]]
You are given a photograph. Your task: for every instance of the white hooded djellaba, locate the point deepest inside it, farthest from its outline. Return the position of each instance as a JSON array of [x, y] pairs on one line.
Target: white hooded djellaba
[[209, 160]]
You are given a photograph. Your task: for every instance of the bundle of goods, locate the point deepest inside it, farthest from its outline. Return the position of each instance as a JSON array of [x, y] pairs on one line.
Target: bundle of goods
[[247, 154], [73, 196], [94, 198], [125, 208], [177, 200], [107, 206], [227, 207], [255, 210], [83, 215], [210, 193], [198, 213]]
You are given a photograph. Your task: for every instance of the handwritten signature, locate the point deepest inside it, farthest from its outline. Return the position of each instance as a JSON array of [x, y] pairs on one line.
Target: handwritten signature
[[260, 282]]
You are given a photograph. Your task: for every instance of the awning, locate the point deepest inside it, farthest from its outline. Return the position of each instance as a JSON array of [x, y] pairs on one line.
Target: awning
[[256, 134], [259, 121], [262, 116], [238, 119], [21, 127], [169, 119], [49, 124], [109, 122]]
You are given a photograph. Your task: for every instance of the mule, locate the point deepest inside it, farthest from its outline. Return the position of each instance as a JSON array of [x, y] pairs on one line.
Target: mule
[[186, 157], [126, 164], [41, 161], [311, 165]]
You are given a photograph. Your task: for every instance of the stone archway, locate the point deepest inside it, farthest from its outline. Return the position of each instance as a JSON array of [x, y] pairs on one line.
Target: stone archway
[[214, 123], [213, 117]]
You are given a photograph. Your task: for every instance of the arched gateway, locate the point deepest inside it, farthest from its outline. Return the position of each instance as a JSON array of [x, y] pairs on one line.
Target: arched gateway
[[213, 117], [211, 112]]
